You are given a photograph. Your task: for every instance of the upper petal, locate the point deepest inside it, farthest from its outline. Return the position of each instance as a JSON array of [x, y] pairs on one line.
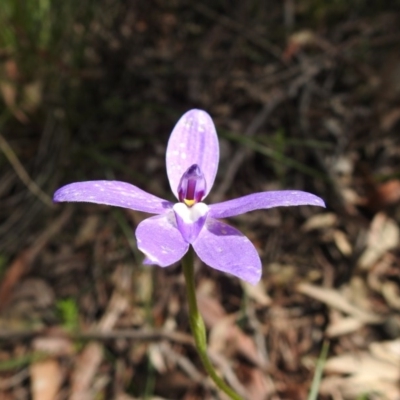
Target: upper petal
[[193, 141], [160, 240], [226, 249], [112, 193], [256, 201]]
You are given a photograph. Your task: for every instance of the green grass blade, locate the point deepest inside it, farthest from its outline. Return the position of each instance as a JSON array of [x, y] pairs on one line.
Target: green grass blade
[[313, 395]]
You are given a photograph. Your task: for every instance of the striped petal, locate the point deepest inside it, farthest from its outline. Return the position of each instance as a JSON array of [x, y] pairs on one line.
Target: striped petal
[[193, 141], [226, 249], [112, 193], [263, 200], [160, 240]]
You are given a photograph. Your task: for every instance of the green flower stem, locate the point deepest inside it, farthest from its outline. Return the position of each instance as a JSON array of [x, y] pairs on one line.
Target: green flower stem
[[198, 327]]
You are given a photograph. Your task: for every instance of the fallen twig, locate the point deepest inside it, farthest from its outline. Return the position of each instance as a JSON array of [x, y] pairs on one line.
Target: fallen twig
[[22, 174]]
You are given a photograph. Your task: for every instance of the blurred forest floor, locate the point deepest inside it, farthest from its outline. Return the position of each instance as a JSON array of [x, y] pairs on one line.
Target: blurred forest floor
[[304, 94]]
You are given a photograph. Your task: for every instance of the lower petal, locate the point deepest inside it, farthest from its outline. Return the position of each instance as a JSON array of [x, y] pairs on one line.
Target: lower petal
[[226, 249], [160, 240]]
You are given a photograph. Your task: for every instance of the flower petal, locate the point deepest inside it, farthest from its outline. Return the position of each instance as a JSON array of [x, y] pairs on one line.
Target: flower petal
[[257, 201], [226, 249], [112, 193], [193, 141], [160, 240]]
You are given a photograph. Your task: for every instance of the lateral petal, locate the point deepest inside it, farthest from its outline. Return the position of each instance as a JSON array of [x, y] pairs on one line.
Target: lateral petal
[[263, 200], [224, 248], [112, 193]]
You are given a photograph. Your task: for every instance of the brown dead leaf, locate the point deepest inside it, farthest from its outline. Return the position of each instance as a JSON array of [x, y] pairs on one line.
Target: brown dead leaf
[[297, 41], [357, 296], [156, 357], [46, 379], [388, 351], [305, 39], [225, 336], [338, 301], [256, 383], [358, 293], [363, 373], [383, 236], [339, 387], [343, 326], [342, 242], [281, 274], [258, 293], [320, 221], [391, 292], [86, 367], [91, 357]]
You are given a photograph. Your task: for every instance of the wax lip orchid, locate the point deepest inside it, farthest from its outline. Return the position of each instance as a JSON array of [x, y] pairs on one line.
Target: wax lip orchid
[[192, 161]]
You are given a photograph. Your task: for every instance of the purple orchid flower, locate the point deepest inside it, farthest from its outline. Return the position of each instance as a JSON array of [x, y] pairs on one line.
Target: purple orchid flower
[[192, 162]]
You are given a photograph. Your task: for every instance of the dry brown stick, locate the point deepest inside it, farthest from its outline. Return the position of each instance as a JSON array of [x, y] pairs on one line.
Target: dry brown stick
[[22, 174], [130, 334]]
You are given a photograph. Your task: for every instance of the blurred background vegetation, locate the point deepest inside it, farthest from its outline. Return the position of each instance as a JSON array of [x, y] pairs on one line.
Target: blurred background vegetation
[[305, 94]]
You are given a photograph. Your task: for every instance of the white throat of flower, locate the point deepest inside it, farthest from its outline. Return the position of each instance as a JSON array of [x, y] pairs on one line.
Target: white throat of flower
[[190, 215]]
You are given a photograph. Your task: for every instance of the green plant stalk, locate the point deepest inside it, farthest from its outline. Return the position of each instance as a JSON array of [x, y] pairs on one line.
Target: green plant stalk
[[198, 327], [318, 372]]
